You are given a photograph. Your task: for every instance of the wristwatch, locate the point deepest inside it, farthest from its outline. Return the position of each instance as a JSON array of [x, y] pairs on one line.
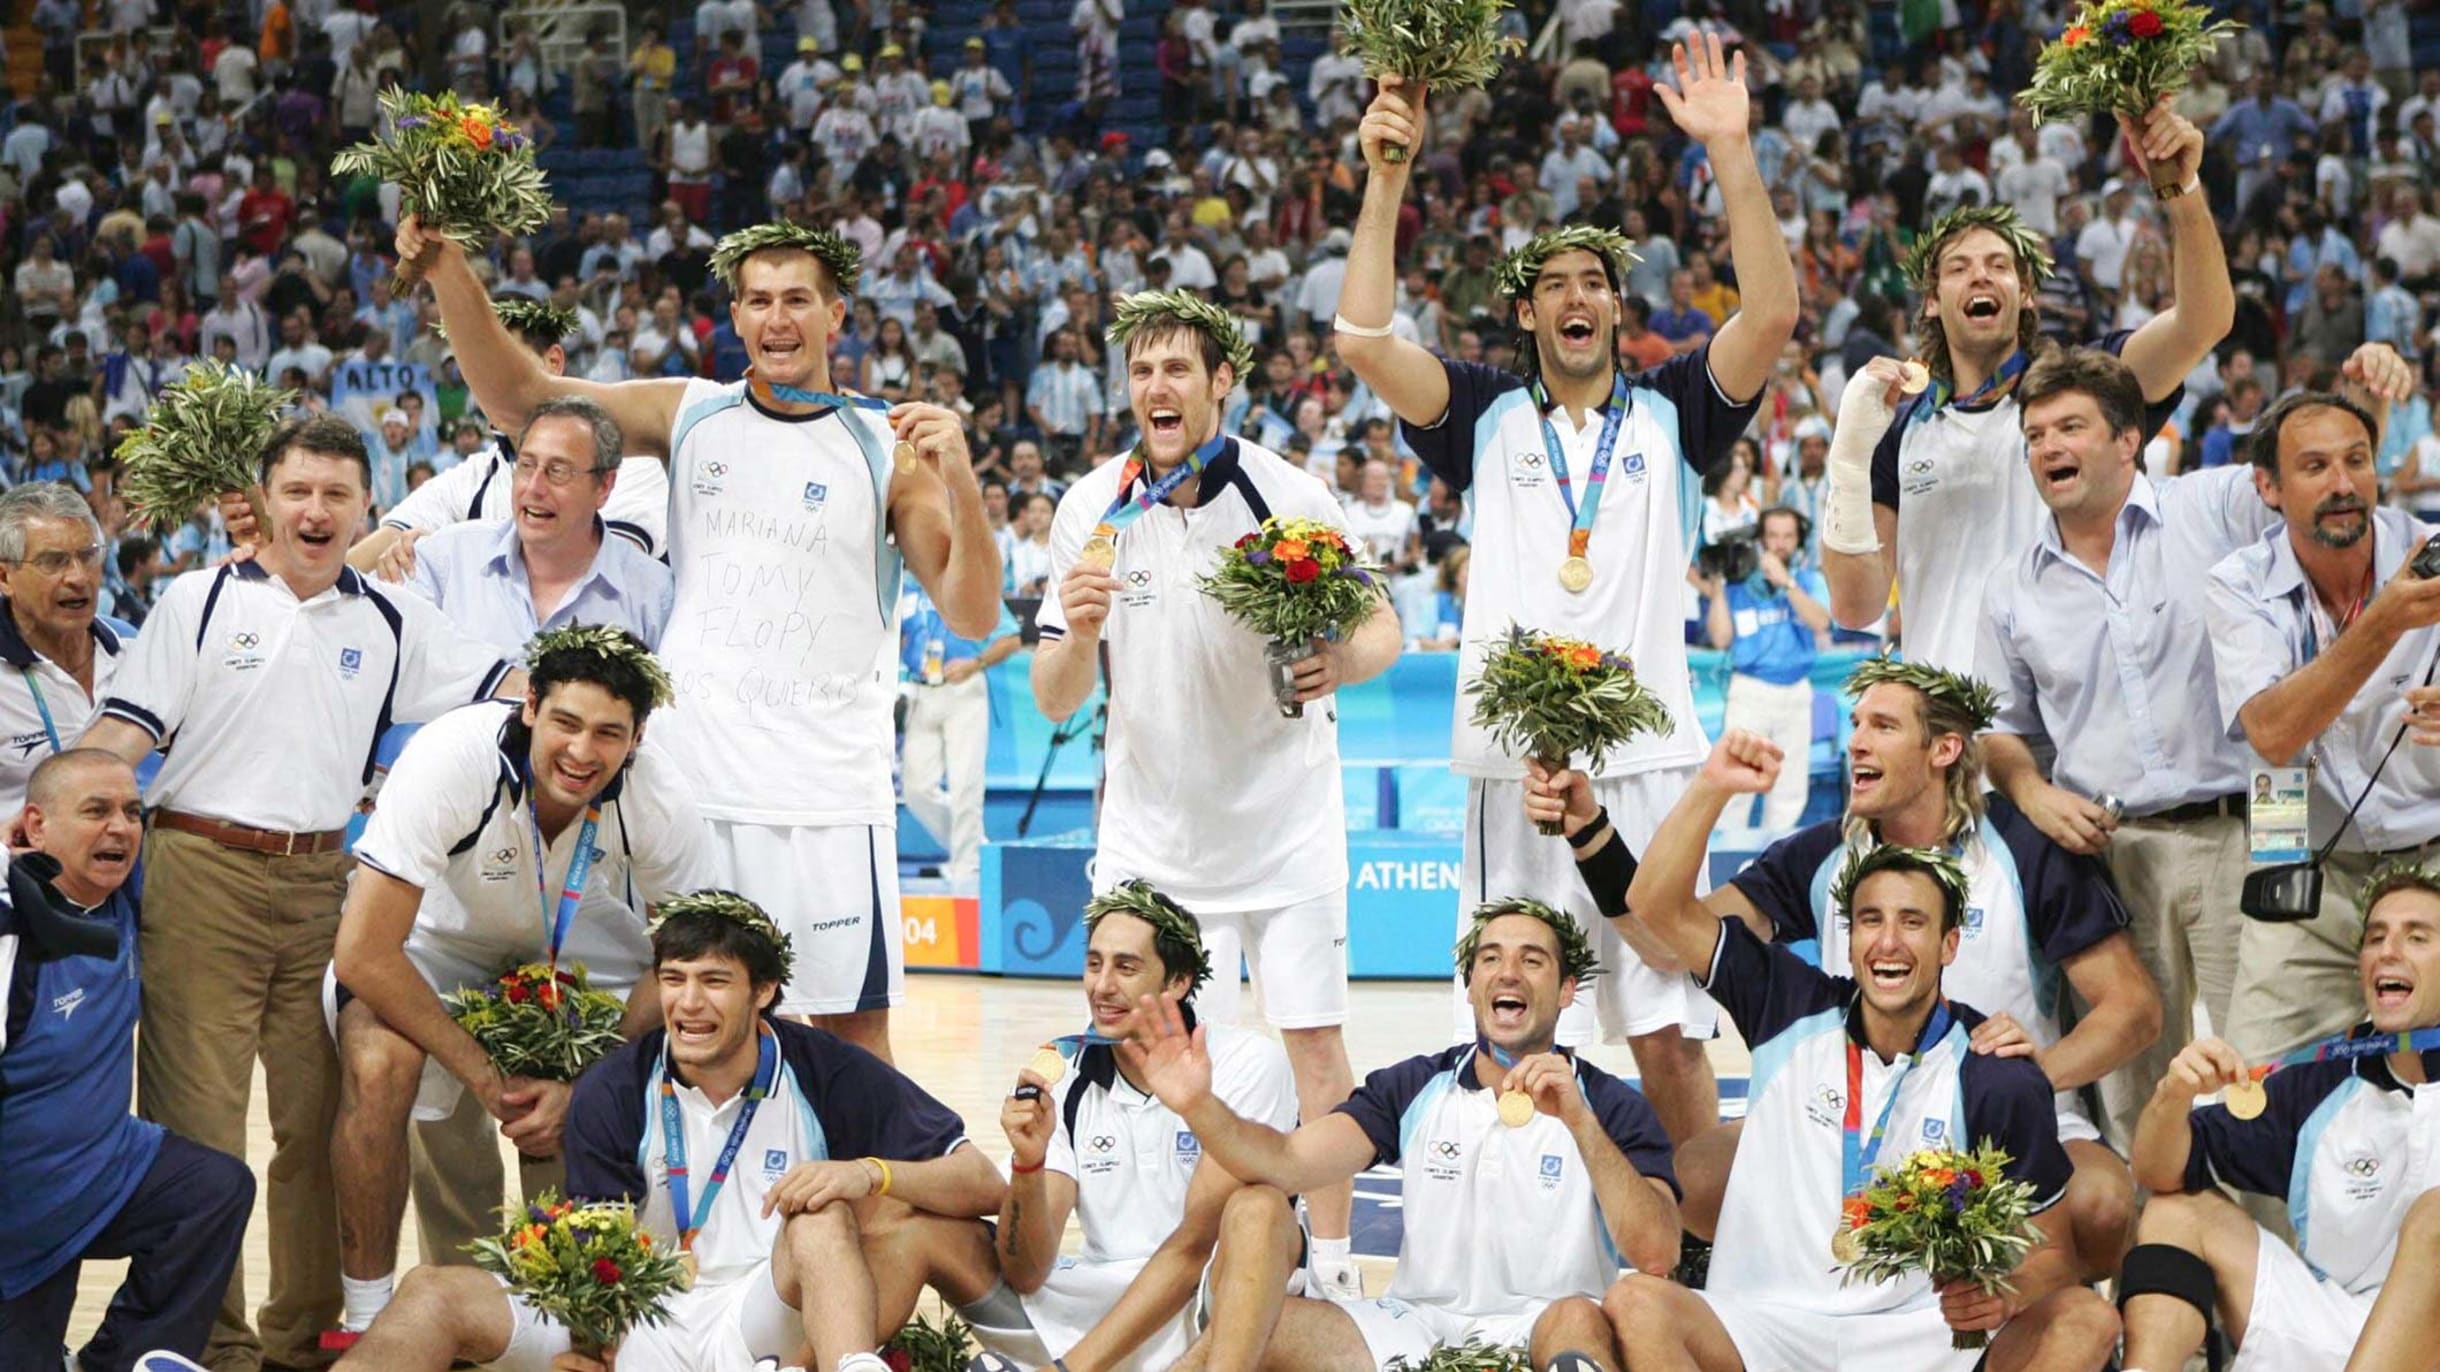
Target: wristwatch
[[2192, 185]]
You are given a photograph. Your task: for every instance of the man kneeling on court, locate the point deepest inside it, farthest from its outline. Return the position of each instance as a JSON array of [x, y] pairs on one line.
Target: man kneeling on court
[[2343, 1134], [827, 1139], [1086, 1136], [489, 805], [1882, 1044], [1527, 1175]]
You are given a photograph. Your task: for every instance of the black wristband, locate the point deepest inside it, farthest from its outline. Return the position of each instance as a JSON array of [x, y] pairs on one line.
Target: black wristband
[[1608, 871]]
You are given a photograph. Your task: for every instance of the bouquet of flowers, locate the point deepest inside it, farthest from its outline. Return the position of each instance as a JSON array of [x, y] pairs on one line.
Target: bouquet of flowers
[[1296, 582], [199, 443], [1473, 1355], [2121, 57], [1552, 698], [1952, 1215], [590, 1267], [460, 168], [539, 1021], [923, 1346], [1428, 42]]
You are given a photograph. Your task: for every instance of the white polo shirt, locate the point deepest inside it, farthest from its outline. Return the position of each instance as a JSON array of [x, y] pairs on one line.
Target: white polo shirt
[[1491, 445], [21, 722], [2266, 623], [269, 708], [1498, 1221], [1210, 794], [484, 487], [454, 822], [783, 640], [2346, 1144]]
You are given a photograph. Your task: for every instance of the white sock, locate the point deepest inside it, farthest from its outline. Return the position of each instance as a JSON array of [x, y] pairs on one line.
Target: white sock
[[365, 1300], [1332, 1251], [863, 1362]]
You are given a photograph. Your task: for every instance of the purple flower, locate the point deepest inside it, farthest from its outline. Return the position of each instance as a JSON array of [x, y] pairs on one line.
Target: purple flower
[[1957, 1191], [537, 1214], [1256, 557], [412, 121]]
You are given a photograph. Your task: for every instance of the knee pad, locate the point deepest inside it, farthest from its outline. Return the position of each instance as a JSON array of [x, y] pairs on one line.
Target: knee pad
[[2160, 1269]]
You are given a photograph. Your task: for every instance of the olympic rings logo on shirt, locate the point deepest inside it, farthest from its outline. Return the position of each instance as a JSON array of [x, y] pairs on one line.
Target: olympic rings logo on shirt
[[243, 641], [715, 469]]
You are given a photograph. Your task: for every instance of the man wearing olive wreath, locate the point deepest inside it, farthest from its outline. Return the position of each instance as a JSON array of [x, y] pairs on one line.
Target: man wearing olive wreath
[[1584, 485], [794, 511]]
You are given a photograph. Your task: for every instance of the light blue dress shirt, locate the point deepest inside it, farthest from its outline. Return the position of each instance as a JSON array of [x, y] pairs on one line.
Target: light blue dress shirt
[[2115, 669], [475, 572], [2266, 623]]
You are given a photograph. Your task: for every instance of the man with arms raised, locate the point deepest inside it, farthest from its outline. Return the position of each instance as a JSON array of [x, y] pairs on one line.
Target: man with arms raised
[[1529, 1175], [1580, 480], [826, 1137], [1883, 1044], [2346, 1140], [1212, 795], [484, 486], [794, 512], [1089, 1139], [51, 566], [277, 676], [487, 806], [2037, 920], [1954, 460]]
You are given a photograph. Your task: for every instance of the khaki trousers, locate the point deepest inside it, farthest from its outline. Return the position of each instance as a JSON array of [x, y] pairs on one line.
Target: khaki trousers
[[2298, 982], [2180, 884], [456, 1179], [234, 948]]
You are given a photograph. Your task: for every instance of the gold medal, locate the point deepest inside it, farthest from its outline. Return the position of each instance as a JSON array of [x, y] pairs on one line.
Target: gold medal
[[686, 1270], [1576, 574], [1100, 553], [2245, 1099], [1516, 1109], [904, 456], [1846, 1246], [1049, 1064], [1914, 377]]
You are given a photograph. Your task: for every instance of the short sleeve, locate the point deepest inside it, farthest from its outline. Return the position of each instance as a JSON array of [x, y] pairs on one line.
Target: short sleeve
[[2259, 1155], [1708, 421], [1257, 1084], [1632, 1124], [433, 799], [1885, 455], [439, 666], [156, 682], [1379, 1105], [1071, 526], [639, 505], [1446, 446], [1764, 987], [868, 1108], [2070, 903], [1780, 882], [675, 854], [2250, 650], [2009, 1104]]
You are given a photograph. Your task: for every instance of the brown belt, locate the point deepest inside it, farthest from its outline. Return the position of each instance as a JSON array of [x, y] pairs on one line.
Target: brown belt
[[246, 838]]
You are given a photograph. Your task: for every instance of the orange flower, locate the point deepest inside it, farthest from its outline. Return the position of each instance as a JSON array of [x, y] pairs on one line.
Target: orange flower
[[1859, 1212], [1290, 549], [1583, 657], [478, 132], [1941, 1176], [2076, 35]]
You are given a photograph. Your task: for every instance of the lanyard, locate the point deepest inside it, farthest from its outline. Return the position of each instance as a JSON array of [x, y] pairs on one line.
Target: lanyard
[[803, 397], [673, 1141], [1126, 509], [2343, 1047], [1580, 533], [42, 707], [1856, 1153], [580, 866], [1996, 387]]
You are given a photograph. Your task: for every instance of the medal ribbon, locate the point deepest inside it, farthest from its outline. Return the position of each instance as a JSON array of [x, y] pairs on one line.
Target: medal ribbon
[[1580, 533], [2344, 1047], [1996, 387], [795, 396], [1126, 509], [673, 1141], [580, 866], [43, 708], [1856, 1153]]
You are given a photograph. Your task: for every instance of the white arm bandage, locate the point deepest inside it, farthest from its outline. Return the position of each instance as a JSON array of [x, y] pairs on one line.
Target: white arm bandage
[[1863, 416]]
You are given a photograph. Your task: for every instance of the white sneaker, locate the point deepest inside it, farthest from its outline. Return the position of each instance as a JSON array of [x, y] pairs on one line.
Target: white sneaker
[[1338, 1281], [166, 1361]]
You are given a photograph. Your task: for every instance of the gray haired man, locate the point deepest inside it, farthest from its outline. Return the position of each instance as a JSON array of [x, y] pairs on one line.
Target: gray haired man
[[61, 656]]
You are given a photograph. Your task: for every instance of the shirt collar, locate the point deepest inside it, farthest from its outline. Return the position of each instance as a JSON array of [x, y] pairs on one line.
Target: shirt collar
[[1218, 474], [16, 652], [1464, 1055], [506, 555], [2142, 506], [1097, 1063], [350, 581]]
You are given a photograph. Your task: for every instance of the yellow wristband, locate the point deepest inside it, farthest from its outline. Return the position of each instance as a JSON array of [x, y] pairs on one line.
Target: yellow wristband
[[884, 1188]]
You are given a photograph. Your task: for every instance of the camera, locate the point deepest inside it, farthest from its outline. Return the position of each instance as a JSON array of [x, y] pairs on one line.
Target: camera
[[2289, 893], [1732, 557], [2425, 564]]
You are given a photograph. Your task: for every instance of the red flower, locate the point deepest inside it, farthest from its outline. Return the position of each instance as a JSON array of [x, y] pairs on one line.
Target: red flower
[[606, 1272], [1302, 570], [517, 992], [1249, 540], [549, 995], [2144, 24]]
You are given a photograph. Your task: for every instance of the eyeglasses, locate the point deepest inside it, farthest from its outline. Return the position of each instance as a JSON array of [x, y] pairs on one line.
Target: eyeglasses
[[58, 560], [556, 472]]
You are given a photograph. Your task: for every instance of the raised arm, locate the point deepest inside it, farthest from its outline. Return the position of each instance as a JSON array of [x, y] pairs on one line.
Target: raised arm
[[2169, 345], [1859, 537], [1406, 377], [2164, 1134], [2283, 719], [1035, 1214], [1177, 1066], [936, 512], [508, 381], [1663, 892], [1711, 104]]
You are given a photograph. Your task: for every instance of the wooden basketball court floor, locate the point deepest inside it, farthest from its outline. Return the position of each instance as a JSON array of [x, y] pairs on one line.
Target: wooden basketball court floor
[[963, 1037]]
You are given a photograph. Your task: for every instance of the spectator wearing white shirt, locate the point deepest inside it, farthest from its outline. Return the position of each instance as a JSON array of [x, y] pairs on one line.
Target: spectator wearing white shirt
[[1954, 184], [1385, 523], [1808, 116], [1190, 268], [2033, 182], [1563, 165], [801, 85], [2101, 250]]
